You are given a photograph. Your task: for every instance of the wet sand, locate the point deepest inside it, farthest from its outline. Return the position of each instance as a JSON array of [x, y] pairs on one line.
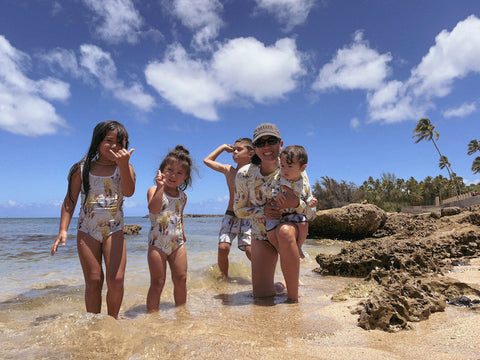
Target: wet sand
[[452, 334]]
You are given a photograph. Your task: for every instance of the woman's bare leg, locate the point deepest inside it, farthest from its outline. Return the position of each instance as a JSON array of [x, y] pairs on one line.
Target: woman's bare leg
[[264, 261], [289, 258]]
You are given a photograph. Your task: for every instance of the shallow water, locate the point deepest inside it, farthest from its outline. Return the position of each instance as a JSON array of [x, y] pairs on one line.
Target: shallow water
[[42, 313]]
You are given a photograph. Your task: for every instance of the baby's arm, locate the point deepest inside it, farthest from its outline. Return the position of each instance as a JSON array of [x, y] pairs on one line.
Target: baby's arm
[[215, 165], [66, 213], [155, 194]]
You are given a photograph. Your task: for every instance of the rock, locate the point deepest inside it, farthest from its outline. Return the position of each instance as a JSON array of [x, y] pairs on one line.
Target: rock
[[351, 222], [402, 301], [449, 211], [132, 229], [463, 301], [408, 257]]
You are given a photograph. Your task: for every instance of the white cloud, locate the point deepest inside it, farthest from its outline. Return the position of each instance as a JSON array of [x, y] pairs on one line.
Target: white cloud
[[461, 111], [62, 59], [248, 68], [471, 181], [241, 69], [118, 20], [100, 64], [186, 84], [24, 108], [354, 67], [201, 16], [290, 13], [454, 55], [393, 102], [355, 123], [53, 89]]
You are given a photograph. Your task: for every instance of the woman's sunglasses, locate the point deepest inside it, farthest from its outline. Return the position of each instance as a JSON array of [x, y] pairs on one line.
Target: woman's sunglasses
[[270, 141]]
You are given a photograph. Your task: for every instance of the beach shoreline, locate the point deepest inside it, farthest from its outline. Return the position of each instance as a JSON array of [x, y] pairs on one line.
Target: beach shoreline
[[452, 333]]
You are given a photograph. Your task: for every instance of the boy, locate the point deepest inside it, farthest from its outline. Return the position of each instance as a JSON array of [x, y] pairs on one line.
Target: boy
[[232, 226], [293, 162]]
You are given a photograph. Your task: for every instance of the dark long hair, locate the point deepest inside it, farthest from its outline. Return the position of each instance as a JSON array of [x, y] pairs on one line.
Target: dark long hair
[[182, 155], [99, 134]]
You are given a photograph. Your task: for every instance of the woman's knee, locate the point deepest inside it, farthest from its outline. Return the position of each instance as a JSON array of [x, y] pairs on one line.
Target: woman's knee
[[287, 233]]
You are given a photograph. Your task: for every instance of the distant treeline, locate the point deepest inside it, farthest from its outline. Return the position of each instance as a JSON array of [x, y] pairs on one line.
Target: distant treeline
[[388, 192]]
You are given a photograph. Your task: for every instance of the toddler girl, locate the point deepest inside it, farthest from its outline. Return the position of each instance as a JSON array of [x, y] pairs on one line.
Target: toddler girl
[[166, 237]]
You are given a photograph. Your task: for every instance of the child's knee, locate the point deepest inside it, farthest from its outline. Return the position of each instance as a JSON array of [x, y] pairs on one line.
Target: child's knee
[[94, 282], [157, 282], [179, 278], [224, 248]]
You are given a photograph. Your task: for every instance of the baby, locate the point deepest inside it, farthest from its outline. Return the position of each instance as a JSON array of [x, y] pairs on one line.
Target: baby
[[293, 162]]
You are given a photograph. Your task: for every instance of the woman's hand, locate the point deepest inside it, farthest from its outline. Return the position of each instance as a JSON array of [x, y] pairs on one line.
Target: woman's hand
[[287, 199], [272, 211]]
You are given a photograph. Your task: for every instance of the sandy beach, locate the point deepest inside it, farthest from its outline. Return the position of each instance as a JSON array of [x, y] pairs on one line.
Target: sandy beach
[[452, 334]]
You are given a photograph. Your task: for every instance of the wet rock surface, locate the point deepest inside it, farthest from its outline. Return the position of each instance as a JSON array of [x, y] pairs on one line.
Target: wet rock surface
[[405, 263], [132, 229]]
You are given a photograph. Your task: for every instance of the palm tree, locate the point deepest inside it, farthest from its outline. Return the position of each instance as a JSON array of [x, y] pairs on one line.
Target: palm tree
[[443, 163], [425, 131], [474, 146]]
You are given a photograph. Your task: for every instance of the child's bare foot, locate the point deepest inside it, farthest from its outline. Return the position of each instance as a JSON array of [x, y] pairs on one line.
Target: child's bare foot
[[300, 252]]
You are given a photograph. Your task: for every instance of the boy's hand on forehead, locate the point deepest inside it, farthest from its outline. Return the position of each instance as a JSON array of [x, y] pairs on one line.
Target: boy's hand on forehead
[[122, 156], [228, 148]]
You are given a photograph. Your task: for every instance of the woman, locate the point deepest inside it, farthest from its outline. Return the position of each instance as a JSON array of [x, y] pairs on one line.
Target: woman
[[253, 190]]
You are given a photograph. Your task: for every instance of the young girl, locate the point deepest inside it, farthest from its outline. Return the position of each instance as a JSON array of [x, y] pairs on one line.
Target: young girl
[[103, 177], [166, 237]]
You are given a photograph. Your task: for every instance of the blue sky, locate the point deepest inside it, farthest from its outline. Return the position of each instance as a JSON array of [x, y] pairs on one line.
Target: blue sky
[[348, 80]]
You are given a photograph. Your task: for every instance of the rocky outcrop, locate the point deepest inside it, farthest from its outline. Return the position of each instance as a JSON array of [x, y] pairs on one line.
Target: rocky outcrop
[[132, 229], [354, 221], [406, 259]]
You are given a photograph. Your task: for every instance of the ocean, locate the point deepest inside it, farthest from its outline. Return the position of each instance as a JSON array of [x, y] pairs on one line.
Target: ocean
[[42, 311]]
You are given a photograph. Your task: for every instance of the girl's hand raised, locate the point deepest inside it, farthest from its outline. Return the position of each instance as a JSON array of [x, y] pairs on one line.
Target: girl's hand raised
[[122, 156], [160, 180]]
